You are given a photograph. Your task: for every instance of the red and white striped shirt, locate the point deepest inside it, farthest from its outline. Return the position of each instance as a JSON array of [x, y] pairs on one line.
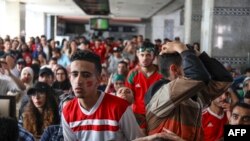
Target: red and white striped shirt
[[110, 118]]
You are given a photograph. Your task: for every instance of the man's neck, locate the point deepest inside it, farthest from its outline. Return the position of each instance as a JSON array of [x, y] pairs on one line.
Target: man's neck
[[89, 102], [149, 70], [215, 109]]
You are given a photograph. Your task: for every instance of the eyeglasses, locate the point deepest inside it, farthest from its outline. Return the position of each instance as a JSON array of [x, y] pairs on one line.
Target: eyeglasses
[[149, 49]]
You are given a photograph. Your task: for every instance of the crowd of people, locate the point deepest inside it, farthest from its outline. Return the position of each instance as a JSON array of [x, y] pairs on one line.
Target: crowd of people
[[99, 90]]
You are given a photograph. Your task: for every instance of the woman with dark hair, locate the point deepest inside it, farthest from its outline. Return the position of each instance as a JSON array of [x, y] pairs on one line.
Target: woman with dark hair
[[41, 110], [62, 80]]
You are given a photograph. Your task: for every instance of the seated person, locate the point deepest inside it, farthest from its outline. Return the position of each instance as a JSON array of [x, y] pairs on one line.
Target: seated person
[[41, 110]]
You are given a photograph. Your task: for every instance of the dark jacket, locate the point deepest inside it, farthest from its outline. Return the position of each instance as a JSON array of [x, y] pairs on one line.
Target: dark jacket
[[177, 105]]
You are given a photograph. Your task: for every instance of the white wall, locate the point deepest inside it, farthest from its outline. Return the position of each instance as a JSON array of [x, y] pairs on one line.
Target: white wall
[[2, 14], [10, 18], [158, 25], [35, 22]]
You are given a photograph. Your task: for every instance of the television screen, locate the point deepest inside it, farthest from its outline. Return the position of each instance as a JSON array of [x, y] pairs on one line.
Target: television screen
[[99, 24]]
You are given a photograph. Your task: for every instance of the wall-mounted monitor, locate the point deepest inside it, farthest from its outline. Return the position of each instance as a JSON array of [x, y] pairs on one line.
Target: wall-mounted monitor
[[94, 7], [99, 24]]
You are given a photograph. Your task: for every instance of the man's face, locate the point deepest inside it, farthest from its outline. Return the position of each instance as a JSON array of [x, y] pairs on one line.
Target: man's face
[[247, 100], [219, 101], [240, 116], [121, 68], [43, 41], [145, 58], [97, 43], [246, 86], [15, 45], [118, 84], [247, 74], [84, 78], [7, 45], [56, 55], [139, 39]]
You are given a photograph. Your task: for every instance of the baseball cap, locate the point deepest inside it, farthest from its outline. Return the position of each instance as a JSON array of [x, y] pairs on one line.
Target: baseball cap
[[46, 70], [20, 61], [39, 87]]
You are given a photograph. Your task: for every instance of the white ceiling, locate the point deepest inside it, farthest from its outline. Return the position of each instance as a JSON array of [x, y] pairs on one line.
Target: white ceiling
[[118, 8]]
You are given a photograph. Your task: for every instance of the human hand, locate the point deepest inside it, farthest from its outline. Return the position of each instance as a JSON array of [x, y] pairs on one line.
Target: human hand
[[125, 93], [169, 135], [226, 106], [166, 135], [197, 52], [172, 47]]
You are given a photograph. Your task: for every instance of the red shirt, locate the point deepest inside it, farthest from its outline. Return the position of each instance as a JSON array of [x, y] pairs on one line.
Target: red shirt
[[213, 125], [100, 51], [139, 83]]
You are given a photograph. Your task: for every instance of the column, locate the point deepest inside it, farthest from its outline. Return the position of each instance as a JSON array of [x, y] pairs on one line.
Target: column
[[187, 23], [206, 25]]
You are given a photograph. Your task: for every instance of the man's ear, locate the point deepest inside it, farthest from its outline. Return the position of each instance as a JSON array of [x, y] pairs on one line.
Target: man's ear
[[173, 69], [99, 79]]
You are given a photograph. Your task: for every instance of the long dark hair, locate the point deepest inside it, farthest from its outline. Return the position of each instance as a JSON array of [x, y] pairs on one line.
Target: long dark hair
[[34, 121], [65, 85]]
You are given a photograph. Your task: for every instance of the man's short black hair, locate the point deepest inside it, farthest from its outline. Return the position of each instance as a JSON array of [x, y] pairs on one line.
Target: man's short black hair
[[165, 60], [241, 104], [57, 50], [247, 95], [53, 59], [89, 56], [247, 70], [123, 62]]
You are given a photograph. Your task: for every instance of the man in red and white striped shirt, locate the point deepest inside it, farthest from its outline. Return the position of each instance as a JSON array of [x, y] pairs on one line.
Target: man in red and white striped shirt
[[94, 115]]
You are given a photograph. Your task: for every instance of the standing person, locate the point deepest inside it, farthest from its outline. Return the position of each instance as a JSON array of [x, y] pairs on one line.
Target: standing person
[[140, 79], [175, 102], [83, 117], [46, 48], [215, 117]]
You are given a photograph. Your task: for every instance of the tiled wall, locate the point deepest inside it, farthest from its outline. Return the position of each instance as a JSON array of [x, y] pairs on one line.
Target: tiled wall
[[231, 31]]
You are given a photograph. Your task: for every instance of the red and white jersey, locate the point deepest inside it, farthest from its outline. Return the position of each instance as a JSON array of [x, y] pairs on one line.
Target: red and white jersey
[[139, 83], [110, 118], [213, 125]]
